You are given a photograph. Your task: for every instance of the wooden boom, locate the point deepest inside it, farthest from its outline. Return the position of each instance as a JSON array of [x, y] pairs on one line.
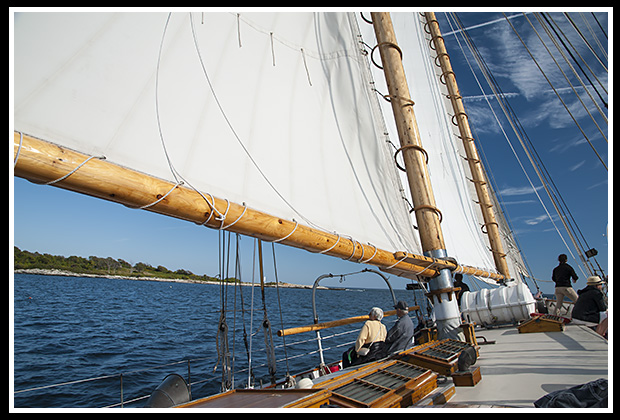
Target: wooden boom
[[43, 162], [335, 323]]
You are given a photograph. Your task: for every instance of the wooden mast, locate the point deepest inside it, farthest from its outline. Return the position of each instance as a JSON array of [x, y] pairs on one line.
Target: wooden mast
[[427, 215], [42, 162], [475, 165], [426, 212]]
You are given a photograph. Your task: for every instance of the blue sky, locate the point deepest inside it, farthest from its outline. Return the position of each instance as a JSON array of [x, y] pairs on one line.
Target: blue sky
[[50, 220], [574, 167]]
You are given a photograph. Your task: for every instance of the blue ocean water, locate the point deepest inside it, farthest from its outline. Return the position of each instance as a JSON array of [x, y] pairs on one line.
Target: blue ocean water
[[72, 328]]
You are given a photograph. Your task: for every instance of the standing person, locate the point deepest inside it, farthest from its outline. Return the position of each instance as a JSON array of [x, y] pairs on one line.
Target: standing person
[[400, 336], [561, 276], [591, 301], [458, 282]]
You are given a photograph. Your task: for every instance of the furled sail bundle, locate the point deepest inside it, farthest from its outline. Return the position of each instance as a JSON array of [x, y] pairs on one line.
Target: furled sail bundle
[[274, 112]]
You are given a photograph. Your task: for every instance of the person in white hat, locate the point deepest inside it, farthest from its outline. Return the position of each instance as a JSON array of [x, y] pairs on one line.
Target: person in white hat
[[591, 301]]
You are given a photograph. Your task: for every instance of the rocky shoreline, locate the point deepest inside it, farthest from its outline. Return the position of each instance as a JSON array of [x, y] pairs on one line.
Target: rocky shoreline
[[56, 272]]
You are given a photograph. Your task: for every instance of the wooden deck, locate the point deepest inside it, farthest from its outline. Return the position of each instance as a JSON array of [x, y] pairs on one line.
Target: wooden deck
[[522, 367], [512, 372], [262, 398]]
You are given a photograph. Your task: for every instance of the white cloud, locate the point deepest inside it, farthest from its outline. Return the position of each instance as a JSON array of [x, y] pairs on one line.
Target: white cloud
[[508, 203], [514, 69], [511, 191], [536, 220], [576, 166], [491, 97]]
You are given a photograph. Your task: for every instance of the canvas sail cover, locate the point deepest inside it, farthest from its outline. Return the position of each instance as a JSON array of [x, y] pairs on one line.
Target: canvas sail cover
[[273, 110]]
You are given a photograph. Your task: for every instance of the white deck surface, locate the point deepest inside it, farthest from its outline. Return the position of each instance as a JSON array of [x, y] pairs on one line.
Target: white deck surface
[[521, 368]]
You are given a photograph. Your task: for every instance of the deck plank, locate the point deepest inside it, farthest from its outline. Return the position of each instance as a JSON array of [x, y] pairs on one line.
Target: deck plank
[[521, 368]]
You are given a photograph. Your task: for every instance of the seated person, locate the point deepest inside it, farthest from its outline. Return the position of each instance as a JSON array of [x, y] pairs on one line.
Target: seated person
[[591, 301], [369, 343], [400, 336]]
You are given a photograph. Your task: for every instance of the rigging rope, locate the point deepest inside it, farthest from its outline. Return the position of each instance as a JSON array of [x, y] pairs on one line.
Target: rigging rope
[[586, 41], [238, 276], [517, 128], [266, 325], [275, 270], [557, 94], [503, 104], [538, 17], [221, 337]]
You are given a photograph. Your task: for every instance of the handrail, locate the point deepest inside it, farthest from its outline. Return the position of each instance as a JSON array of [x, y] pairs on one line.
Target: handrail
[[335, 323], [318, 280]]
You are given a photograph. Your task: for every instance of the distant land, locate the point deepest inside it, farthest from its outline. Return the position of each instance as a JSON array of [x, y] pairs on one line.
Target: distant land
[[57, 265]]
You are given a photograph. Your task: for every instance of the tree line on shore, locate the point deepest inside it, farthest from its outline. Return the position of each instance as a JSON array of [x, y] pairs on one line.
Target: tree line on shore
[[98, 265]]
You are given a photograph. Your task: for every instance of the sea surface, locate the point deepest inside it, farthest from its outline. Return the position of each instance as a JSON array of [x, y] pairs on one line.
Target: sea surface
[[130, 334]]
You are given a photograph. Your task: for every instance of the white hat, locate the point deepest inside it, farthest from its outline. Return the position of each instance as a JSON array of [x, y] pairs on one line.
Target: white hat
[[594, 281]]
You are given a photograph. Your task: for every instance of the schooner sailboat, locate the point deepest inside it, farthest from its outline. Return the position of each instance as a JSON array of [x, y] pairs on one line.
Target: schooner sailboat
[[269, 125]]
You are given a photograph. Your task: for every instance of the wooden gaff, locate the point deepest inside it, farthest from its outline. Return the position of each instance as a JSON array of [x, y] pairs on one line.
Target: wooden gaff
[[40, 161]]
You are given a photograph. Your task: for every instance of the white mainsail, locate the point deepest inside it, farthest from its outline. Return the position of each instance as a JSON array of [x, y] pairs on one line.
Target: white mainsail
[[96, 83], [276, 111]]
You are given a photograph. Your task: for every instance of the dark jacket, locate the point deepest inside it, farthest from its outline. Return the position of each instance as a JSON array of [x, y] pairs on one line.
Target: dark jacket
[[590, 302], [562, 274], [399, 336]]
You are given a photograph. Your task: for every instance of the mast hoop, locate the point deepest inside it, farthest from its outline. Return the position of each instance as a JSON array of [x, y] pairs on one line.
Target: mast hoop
[[381, 44], [429, 207], [478, 182], [388, 98], [501, 254], [439, 55], [364, 18], [432, 44], [442, 76], [426, 25], [489, 223], [409, 146], [462, 113], [471, 159]]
